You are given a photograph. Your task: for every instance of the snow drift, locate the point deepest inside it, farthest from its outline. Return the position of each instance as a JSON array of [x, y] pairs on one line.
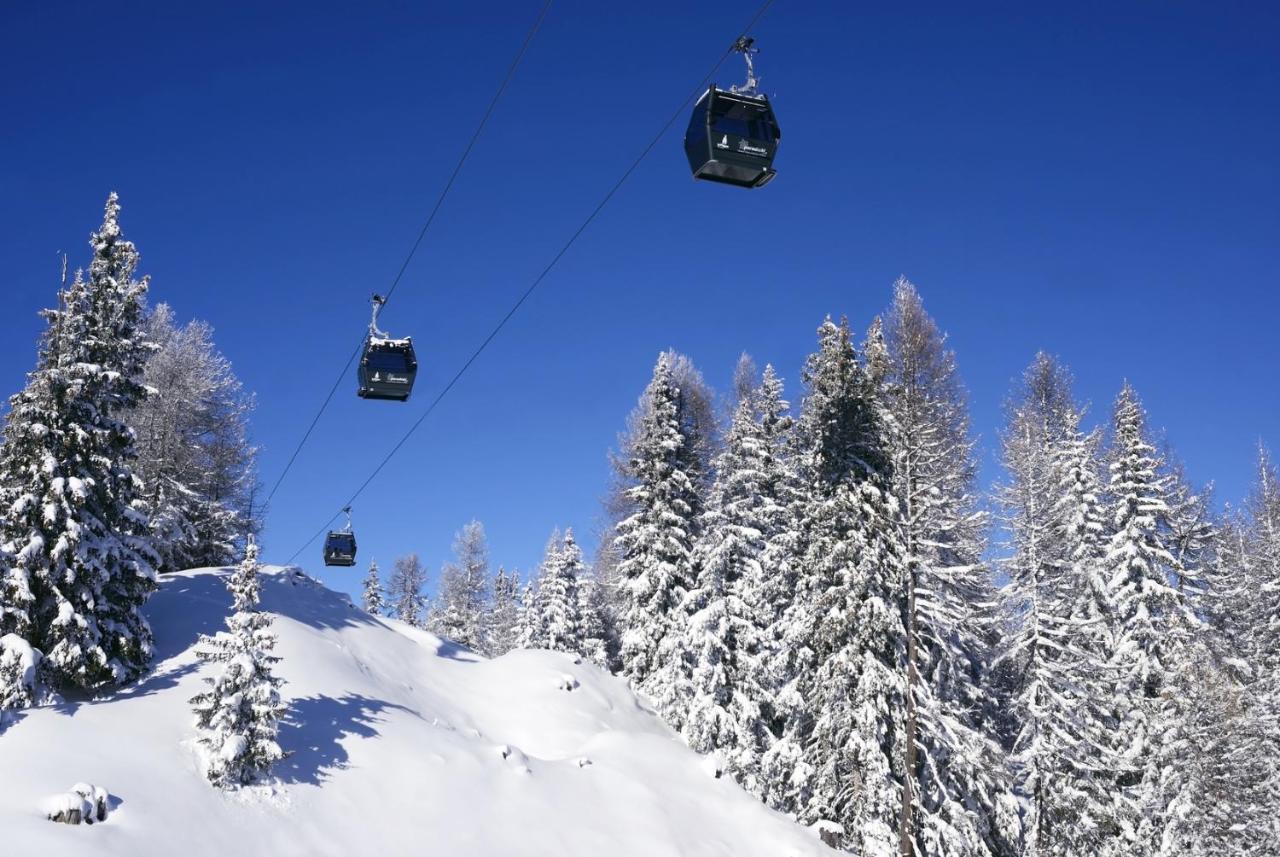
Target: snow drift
[[400, 743]]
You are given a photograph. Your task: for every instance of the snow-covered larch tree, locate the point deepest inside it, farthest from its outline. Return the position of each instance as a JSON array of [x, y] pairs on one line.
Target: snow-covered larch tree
[[503, 627], [463, 602], [404, 590], [1058, 622], [238, 717], [373, 599], [70, 510], [962, 800], [594, 608], [197, 466]]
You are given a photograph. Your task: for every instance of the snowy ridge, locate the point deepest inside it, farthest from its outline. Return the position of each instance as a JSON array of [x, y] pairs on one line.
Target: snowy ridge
[[401, 743]]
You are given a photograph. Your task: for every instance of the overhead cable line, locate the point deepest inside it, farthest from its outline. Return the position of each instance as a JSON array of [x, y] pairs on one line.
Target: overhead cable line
[[493, 103], [666, 126]]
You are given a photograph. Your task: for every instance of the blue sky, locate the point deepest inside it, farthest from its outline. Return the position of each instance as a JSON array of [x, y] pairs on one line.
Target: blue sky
[[1099, 180]]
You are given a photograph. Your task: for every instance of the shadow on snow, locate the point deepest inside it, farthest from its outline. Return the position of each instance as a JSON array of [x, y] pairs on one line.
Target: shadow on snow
[[313, 732]]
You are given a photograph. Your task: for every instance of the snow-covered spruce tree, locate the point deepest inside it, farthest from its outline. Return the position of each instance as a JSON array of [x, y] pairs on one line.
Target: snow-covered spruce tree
[[727, 631], [654, 545], [1189, 528], [503, 627], [69, 507], [962, 797], [556, 605], [238, 717], [404, 590], [530, 622], [373, 599], [196, 464], [843, 750], [19, 675], [1152, 627], [464, 590], [1076, 803], [1053, 521]]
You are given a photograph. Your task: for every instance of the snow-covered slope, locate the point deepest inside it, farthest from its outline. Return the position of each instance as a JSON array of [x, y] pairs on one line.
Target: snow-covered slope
[[401, 744]]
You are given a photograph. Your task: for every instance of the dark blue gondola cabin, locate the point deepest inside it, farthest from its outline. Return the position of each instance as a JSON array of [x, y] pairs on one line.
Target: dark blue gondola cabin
[[340, 548], [387, 369], [732, 139]]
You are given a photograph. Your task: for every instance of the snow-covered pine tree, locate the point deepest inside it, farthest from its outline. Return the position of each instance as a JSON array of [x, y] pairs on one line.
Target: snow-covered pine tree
[[727, 632], [464, 590], [404, 590], [373, 599], [840, 758], [556, 601], [654, 544], [238, 717], [71, 513], [503, 630], [962, 797], [1150, 633], [196, 464]]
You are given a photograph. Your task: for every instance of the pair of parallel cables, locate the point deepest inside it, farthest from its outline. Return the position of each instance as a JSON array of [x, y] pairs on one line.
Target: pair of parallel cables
[[528, 292]]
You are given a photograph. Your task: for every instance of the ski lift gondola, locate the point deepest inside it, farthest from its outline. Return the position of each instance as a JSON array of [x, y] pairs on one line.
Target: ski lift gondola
[[340, 545], [733, 135], [387, 366]]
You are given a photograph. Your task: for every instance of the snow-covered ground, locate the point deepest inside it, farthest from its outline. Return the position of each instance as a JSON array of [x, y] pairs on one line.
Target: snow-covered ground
[[401, 744]]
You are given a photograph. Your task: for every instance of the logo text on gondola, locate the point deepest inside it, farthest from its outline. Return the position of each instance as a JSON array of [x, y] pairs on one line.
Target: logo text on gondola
[[744, 146]]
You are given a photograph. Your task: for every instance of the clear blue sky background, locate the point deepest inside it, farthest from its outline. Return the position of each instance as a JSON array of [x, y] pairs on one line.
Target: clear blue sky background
[[1096, 179]]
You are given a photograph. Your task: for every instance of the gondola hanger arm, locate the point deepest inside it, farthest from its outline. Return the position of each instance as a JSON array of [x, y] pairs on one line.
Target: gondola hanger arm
[[378, 302], [746, 46]]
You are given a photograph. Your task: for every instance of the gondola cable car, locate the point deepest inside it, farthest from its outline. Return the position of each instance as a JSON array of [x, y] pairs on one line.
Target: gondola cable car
[[340, 545], [733, 134], [387, 366]]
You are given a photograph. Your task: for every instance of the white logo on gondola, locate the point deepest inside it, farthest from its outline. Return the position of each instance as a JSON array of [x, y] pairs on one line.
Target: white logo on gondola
[[724, 142], [744, 146]]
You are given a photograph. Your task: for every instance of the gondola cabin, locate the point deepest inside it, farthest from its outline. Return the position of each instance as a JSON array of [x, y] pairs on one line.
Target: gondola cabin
[[732, 139], [387, 369], [340, 548]]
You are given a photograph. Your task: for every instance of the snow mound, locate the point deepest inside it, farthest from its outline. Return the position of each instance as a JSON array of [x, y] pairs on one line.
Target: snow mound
[[401, 743]]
